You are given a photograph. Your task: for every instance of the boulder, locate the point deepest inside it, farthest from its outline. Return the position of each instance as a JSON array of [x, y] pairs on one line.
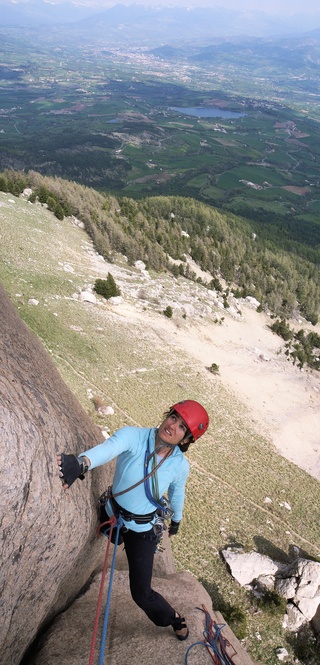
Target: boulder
[[252, 301], [87, 296], [248, 566], [300, 583], [140, 265], [116, 300]]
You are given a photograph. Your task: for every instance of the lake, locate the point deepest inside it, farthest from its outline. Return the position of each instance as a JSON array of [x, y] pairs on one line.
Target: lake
[[201, 112]]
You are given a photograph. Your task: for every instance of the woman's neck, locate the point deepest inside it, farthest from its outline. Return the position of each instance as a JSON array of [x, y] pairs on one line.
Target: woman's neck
[[162, 449]]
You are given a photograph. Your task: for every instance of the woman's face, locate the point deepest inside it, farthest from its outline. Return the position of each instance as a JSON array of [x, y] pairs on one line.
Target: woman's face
[[173, 429]]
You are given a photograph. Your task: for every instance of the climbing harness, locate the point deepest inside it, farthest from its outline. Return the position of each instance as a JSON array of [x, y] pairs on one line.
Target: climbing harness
[[113, 522], [215, 643]]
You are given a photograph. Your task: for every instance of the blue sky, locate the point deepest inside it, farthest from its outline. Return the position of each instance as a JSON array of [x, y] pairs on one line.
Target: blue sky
[[269, 6]]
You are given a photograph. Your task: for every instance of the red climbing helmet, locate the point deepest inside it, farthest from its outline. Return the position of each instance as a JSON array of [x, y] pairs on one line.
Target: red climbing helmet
[[194, 415]]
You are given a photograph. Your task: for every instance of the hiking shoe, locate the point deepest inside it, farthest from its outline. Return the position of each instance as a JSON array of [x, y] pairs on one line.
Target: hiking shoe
[[180, 627]]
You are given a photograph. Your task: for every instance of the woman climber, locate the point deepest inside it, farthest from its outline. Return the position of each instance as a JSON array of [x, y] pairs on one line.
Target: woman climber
[[150, 462]]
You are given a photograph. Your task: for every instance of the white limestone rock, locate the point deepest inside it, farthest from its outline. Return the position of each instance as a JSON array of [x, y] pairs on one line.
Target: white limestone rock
[[248, 566], [87, 296]]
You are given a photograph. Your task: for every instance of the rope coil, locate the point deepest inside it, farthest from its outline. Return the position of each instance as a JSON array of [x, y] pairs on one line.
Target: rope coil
[[215, 643]]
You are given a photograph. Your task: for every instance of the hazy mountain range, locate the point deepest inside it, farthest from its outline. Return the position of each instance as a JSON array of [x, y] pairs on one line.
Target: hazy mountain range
[[139, 23]]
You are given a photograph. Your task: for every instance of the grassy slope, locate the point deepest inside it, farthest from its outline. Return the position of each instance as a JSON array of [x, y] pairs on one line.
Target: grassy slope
[[132, 366]]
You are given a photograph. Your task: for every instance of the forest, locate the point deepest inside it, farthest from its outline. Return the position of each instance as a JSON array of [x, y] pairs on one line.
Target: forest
[[164, 230]]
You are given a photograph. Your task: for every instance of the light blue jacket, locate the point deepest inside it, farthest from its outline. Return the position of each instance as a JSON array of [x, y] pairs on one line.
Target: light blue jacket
[[129, 445]]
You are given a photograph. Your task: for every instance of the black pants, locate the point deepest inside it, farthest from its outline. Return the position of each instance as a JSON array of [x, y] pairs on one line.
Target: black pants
[[140, 549]]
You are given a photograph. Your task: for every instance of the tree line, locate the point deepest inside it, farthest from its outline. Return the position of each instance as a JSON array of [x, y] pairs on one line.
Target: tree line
[[159, 229]]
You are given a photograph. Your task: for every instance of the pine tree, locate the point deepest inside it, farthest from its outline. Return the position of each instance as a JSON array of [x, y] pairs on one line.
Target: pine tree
[[107, 287]]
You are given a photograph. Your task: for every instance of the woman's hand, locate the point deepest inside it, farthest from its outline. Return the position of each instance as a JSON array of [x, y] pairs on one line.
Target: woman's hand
[[65, 486], [71, 468], [173, 528]]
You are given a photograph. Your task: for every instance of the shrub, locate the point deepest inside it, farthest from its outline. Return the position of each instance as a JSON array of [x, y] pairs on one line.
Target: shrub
[[272, 602], [168, 312], [225, 301], [214, 368], [282, 329], [215, 284], [305, 645], [58, 211], [236, 620], [107, 287], [3, 184], [313, 318]]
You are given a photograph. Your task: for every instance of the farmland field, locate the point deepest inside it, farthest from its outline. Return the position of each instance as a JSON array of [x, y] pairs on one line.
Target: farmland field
[[101, 120]]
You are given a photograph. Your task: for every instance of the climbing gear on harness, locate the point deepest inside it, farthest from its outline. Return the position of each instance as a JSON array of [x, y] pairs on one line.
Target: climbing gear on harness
[[104, 526], [118, 523], [162, 504], [119, 510], [159, 527], [173, 528], [178, 625], [72, 467], [215, 643], [194, 415]]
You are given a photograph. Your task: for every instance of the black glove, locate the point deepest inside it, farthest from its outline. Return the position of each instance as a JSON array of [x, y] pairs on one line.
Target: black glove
[[72, 467], [173, 529]]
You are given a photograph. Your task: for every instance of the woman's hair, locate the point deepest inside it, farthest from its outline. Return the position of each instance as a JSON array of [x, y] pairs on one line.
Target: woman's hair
[[183, 446]]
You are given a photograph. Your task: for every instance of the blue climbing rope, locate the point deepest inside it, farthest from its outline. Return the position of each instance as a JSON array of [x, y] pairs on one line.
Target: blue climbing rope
[[161, 505], [108, 601], [213, 641]]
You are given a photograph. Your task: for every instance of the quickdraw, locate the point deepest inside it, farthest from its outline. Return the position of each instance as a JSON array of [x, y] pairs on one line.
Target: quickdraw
[[215, 643]]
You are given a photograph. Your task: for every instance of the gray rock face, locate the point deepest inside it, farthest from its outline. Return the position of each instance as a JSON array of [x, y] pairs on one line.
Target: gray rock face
[[131, 637], [48, 547]]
